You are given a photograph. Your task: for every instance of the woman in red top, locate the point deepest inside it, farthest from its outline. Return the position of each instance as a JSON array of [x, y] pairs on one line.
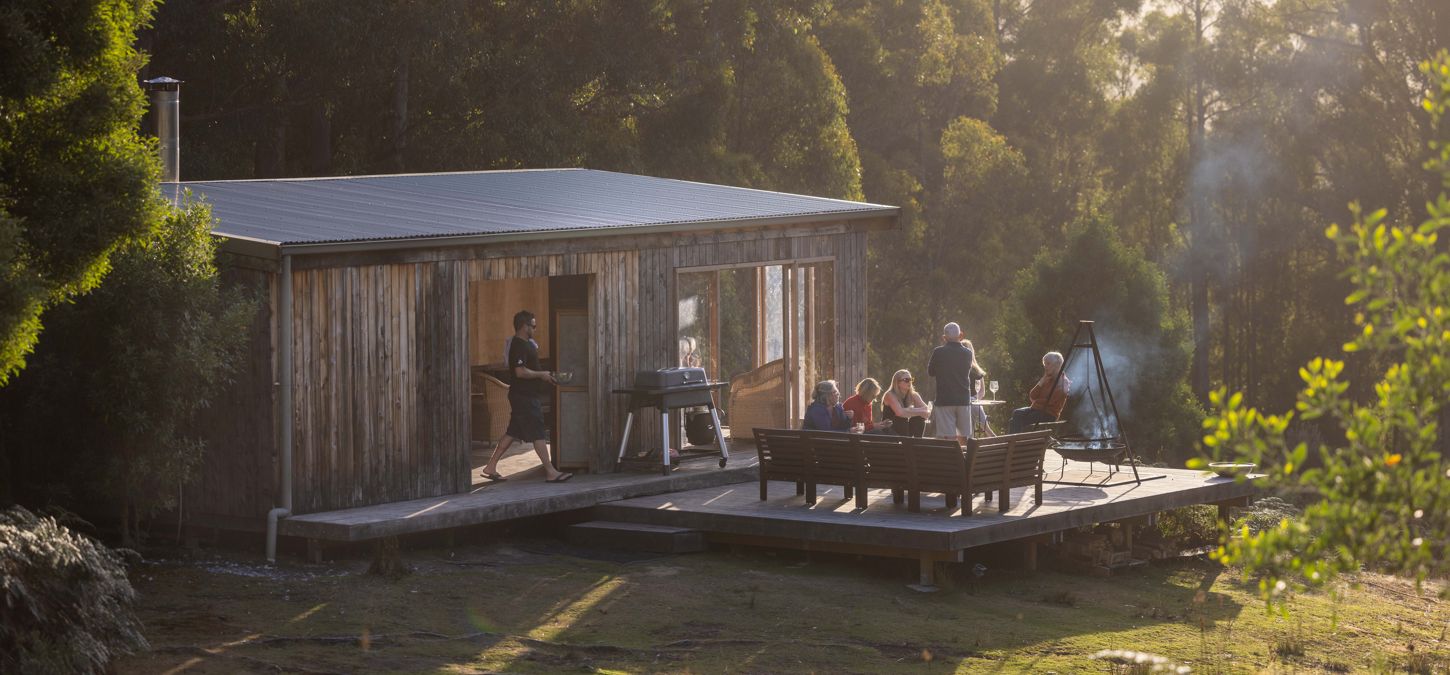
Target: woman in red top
[[860, 406]]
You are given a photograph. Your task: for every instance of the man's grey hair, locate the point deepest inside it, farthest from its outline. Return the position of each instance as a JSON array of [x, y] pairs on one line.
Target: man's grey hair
[[823, 390], [952, 331], [1052, 360]]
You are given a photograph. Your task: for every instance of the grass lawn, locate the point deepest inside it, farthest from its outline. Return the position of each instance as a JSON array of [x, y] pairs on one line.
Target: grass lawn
[[537, 605]]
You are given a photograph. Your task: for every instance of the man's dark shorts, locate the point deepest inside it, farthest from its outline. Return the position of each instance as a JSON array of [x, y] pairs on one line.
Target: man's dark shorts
[[526, 418]]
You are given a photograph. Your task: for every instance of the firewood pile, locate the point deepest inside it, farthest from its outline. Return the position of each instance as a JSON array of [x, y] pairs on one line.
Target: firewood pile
[[1100, 553]]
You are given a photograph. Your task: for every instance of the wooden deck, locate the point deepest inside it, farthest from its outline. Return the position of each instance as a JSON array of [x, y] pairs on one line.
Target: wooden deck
[[725, 504], [523, 495], [736, 513]]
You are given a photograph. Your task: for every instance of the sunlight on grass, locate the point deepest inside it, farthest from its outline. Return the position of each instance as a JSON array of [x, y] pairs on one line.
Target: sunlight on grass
[[183, 667], [307, 614], [560, 620]]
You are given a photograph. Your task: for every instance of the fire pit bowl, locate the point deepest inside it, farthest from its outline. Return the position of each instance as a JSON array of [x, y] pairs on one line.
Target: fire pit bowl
[[1231, 469], [1079, 449]]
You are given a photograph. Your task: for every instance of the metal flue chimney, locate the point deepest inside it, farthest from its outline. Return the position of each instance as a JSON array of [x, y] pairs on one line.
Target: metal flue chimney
[[166, 101]]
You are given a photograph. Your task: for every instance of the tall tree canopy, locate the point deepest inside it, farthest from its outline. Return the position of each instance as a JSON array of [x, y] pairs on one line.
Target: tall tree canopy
[[76, 178], [1143, 337], [736, 92], [1216, 135]]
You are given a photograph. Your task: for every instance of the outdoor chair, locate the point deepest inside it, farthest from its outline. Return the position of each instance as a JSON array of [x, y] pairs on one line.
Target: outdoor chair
[[784, 455]]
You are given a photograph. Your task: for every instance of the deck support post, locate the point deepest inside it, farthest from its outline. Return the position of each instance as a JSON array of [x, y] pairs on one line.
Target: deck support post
[[928, 571], [314, 550], [387, 559], [1030, 556]]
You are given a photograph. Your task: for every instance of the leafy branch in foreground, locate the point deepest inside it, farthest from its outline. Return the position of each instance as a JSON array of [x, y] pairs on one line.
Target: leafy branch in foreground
[[1384, 493]]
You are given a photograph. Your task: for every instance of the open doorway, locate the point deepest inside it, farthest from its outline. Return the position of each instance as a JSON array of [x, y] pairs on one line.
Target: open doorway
[[561, 308]]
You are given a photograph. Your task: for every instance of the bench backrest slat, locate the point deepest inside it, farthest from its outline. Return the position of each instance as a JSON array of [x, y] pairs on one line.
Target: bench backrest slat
[[1007, 461], [887, 464], [783, 453]]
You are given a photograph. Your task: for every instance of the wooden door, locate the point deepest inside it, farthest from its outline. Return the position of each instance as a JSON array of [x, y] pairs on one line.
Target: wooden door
[[573, 431]]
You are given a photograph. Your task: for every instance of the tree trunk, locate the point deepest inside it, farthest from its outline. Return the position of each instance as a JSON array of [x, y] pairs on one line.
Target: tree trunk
[[319, 139], [400, 111], [271, 156], [128, 534]]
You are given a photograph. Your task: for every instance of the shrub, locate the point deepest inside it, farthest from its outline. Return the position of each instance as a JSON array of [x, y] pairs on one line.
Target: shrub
[[1266, 514], [1383, 490], [66, 599]]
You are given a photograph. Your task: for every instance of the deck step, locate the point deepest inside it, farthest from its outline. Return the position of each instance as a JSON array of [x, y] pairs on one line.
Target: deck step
[[636, 537]]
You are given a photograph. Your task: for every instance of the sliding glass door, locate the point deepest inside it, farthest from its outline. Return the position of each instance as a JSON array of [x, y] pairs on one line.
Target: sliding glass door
[[767, 330]]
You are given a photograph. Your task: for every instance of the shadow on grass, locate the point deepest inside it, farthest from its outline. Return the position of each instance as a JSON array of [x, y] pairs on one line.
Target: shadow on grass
[[536, 605]]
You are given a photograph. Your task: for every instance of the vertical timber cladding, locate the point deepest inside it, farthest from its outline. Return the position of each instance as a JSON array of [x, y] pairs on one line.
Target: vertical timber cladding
[[658, 313], [380, 368]]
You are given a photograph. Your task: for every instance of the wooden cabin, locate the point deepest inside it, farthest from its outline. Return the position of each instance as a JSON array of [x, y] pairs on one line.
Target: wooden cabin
[[396, 295]]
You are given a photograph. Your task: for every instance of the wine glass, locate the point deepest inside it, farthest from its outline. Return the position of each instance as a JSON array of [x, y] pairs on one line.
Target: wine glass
[[993, 386]]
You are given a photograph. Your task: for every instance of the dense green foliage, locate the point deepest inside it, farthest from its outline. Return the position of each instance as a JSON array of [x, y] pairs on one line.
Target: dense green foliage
[[106, 407], [75, 176], [1215, 135], [735, 92], [66, 599], [1384, 492], [1143, 339]]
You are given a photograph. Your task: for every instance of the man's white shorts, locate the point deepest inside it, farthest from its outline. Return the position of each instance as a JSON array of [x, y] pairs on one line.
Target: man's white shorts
[[952, 421]]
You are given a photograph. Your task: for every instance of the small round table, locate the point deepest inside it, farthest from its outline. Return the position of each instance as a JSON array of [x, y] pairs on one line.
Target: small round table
[[985, 403]]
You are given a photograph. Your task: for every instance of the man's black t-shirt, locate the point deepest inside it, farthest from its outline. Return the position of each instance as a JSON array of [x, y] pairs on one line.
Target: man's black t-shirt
[[524, 353], [951, 365]]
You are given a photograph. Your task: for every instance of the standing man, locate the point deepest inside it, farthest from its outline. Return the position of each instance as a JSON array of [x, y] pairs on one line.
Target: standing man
[[526, 410], [951, 365]]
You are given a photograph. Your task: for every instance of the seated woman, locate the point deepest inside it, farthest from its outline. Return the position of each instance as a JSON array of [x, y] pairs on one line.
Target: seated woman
[[903, 407], [859, 406], [825, 412], [1047, 398]]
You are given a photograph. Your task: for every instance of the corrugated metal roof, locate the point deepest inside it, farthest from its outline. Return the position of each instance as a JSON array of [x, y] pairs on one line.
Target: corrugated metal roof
[[412, 206]]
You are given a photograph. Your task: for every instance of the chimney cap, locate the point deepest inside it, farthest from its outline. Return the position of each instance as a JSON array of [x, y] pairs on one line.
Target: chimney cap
[[162, 83]]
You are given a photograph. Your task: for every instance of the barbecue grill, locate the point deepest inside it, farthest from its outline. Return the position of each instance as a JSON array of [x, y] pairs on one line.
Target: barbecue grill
[[1108, 450], [666, 390]]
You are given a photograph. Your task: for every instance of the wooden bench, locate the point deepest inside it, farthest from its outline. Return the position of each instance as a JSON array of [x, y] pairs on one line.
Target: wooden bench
[[903, 465], [784, 455], [1001, 463]]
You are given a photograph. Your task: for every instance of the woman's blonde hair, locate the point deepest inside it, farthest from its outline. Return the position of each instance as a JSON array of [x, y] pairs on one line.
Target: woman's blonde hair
[[868, 384], [976, 365], [897, 378]]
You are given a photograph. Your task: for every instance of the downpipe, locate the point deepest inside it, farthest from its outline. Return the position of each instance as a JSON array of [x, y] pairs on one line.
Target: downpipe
[[284, 340], [272, 517]]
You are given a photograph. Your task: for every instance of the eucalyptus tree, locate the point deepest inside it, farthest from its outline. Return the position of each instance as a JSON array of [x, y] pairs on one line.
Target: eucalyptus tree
[[920, 81], [76, 178]]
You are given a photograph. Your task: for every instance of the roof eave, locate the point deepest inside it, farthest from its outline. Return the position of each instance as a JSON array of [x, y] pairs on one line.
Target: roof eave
[[877, 219]]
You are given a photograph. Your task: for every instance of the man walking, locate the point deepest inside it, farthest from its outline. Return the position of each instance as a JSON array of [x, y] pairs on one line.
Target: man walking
[[526, 411], [951, 365]]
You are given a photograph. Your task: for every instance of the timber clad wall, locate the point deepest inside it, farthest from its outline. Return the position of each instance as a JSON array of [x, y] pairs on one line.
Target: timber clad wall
[[380, 367], [381, 354]]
